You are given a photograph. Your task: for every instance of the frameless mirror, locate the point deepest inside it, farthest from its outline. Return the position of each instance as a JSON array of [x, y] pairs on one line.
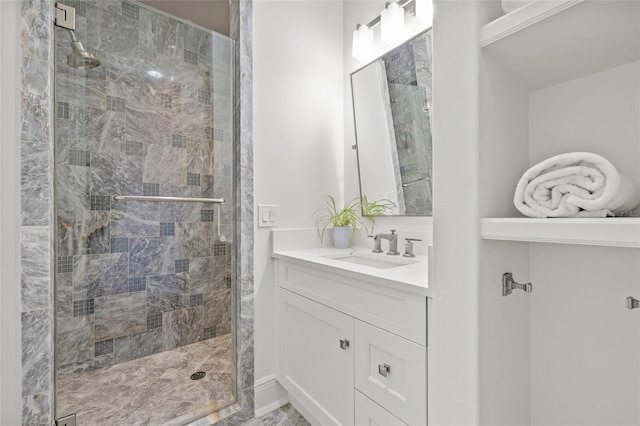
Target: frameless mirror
[[392, 113]]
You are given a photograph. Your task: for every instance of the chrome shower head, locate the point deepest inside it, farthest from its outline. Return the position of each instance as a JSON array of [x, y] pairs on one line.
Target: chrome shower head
[[80, 58]]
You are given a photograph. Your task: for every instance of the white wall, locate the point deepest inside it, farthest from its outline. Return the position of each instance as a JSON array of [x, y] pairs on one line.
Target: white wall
[[597, 113], [298, 137], [376, 159], [504, 392], [453, 332], [585, 350], [303, 132]]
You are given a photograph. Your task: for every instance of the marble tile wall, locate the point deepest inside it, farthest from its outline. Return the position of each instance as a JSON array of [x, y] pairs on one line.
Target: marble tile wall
[[408, 69], [135, 278], [87, 234], [413, 145], [242, 33], [37, 214]]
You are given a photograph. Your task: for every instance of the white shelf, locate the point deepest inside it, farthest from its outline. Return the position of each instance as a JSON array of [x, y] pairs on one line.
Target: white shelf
[[611, 232], [548, 42]]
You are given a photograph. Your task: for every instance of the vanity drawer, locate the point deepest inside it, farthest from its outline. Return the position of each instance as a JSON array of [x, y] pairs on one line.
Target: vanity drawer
[[399, 312], [392, 371], [368, 413]]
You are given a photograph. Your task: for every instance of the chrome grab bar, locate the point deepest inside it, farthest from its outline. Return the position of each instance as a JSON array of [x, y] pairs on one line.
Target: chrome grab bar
[[170, 199]]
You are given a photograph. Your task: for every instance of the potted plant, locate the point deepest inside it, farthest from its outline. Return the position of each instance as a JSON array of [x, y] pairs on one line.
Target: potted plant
[[347, 221]]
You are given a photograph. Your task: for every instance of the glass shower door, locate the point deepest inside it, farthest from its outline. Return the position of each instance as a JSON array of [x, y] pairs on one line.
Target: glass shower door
[[143, 288]]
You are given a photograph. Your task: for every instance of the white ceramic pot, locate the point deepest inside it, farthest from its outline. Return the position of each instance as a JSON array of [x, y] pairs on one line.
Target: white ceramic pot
[[342, 236]]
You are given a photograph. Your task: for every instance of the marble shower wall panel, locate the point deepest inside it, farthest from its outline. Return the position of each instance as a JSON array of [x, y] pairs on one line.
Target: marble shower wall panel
[[36, 268], [413, 145], [242, 257], [167, 293], [120, 315], [35, 98], [422, 60], [37, 213], [136, 278], [36, 188], [35, 328], [408, 71]]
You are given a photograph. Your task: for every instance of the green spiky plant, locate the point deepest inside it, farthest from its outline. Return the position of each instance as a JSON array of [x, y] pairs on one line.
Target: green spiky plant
[[356, 213], [376, 208]]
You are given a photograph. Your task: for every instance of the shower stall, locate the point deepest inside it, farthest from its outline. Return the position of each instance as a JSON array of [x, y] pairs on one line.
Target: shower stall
[[144, 189]]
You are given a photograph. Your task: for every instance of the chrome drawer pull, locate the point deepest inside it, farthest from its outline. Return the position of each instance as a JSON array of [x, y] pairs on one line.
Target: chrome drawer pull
[[344, 344], [384, 369]]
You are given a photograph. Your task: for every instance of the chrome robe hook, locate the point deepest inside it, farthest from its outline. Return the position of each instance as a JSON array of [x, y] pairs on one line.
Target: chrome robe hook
[[508, 285]]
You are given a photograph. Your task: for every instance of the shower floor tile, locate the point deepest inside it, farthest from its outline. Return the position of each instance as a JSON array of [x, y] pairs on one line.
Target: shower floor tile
[[153, 390]]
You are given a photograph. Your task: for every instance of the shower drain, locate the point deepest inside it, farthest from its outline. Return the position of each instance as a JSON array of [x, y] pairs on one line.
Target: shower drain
[[198, 375]]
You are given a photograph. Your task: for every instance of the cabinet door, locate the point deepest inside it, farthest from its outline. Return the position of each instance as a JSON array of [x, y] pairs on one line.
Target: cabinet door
[[392, 371], [368, 413], [316, 358]]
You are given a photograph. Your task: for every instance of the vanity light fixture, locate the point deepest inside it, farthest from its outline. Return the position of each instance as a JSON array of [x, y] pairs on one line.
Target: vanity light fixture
[[362, 48], [392, 26]]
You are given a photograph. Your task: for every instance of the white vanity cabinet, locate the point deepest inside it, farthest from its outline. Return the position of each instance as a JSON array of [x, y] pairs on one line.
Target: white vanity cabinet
[[350, 351], [316, 358], [392, 371], [368, 412]]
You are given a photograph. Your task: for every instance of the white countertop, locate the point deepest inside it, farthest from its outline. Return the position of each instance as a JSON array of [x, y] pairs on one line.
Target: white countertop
[[413, 277]]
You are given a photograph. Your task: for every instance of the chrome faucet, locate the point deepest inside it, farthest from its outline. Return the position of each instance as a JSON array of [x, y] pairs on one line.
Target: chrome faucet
[[393, 242], [377, 243]]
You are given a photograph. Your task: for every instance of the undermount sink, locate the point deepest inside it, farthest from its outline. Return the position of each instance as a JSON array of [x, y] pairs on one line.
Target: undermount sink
[[374, 260]]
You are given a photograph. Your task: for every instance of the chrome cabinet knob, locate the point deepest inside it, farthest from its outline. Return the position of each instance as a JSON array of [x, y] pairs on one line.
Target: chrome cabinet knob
[[384, 369]]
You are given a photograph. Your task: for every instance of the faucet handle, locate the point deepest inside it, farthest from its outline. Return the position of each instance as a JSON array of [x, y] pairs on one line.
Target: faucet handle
[[408, 247], [393, 231]]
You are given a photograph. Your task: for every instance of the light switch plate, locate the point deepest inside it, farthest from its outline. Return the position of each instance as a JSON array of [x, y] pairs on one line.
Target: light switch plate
[[267, 216]]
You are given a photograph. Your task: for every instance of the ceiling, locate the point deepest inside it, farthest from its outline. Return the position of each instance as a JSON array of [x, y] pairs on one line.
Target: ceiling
[[211, 14]]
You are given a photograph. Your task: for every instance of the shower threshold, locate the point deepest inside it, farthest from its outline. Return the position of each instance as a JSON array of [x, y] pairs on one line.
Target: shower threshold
[[209, 415]]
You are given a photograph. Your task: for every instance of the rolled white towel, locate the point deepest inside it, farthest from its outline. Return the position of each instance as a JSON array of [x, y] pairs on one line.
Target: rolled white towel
[[575, 184]]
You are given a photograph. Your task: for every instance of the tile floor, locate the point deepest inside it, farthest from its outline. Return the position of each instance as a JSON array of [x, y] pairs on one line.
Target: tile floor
[[154, 390], [285, 416]]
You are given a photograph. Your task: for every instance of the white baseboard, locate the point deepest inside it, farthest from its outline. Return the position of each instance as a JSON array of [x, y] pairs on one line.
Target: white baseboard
[[269, 395]]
